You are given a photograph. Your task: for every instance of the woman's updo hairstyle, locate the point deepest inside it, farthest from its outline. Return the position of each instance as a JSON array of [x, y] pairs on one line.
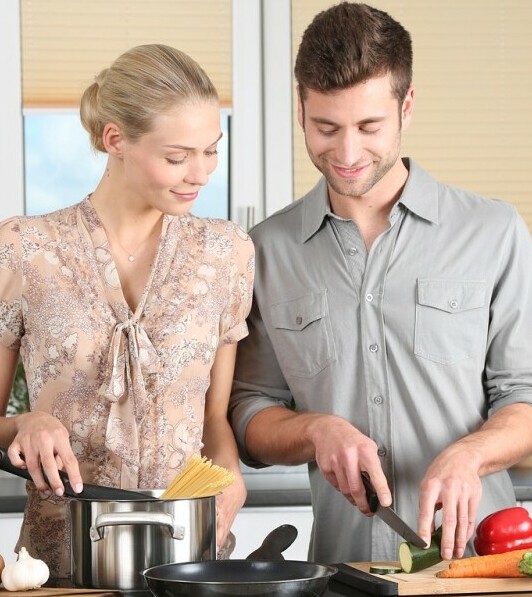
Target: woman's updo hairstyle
[[141, 84]]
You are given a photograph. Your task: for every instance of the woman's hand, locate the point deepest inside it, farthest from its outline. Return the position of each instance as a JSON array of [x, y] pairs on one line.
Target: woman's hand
[[42, 444], [228, 504]]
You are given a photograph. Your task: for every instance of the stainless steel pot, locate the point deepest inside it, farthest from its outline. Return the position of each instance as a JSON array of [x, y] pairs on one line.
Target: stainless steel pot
[[113, 541]]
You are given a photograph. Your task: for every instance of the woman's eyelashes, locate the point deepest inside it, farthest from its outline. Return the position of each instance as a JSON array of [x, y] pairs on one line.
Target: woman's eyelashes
[[176, 161]]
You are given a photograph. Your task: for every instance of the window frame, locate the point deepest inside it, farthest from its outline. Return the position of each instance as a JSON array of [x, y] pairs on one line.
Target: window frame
[[11, 143]]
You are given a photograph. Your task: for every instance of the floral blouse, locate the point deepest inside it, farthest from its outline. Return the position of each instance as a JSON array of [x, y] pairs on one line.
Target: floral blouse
[[129, 387]]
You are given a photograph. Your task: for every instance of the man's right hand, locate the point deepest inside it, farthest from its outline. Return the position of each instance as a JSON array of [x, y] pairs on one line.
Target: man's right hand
[[342, 453]]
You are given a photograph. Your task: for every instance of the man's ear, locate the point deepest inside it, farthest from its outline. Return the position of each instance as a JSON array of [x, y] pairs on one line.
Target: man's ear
[[407, 108], [113, 139]]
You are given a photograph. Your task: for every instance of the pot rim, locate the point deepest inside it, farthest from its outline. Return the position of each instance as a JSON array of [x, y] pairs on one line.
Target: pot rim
[[152, 495]]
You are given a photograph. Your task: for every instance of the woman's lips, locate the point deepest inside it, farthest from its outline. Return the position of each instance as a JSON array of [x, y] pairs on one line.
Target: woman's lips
[[185, 196]]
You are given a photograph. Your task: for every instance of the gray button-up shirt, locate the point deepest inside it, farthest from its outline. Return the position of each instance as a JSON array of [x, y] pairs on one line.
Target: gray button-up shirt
[[415, 342]]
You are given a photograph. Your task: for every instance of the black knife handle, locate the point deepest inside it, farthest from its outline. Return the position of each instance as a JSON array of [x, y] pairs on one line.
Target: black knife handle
[[371, 496]]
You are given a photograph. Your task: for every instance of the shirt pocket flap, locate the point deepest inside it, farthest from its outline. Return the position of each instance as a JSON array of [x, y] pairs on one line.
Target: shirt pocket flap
[[297, 313], [452, 296]]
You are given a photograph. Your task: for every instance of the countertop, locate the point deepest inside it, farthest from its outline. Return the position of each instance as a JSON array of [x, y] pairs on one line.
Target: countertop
[[334, 589], [276, 486], [12, 493]]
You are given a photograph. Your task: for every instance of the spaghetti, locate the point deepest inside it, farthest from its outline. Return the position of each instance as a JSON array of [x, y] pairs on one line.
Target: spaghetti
[[199, 478]]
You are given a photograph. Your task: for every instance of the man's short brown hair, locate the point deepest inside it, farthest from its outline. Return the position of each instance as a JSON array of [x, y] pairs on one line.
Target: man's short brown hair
[[350, 43]]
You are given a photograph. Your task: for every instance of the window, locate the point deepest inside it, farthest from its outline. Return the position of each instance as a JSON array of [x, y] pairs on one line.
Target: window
[[231, 45], [61, 168], [65, 43]]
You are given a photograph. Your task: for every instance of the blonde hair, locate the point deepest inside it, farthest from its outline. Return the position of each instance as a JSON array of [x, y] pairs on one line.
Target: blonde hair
[[141, 84]]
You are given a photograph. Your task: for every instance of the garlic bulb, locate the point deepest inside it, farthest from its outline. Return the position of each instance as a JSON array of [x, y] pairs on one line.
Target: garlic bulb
[[26, 573]]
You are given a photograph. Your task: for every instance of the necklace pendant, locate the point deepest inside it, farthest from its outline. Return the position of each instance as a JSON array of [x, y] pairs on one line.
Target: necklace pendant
[[131, 258]]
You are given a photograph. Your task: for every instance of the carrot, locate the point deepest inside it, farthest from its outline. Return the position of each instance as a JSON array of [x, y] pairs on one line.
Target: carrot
[[499, 565]]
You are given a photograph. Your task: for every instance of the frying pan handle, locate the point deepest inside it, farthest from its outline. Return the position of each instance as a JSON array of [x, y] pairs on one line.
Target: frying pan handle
[[275, 542], [5, 465], [135, 518]]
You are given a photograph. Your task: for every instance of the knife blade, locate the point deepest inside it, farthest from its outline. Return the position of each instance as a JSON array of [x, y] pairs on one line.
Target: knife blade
[[389, 516]]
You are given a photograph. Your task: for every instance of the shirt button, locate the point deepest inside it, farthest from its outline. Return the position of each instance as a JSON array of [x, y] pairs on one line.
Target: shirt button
[[352, 251], [369, 297], [453, 304], [373, 347], [381, 451], [378, 399], [299, 320]]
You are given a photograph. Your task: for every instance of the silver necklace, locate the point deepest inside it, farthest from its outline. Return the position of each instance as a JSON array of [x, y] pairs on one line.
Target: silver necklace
[[131, 254]]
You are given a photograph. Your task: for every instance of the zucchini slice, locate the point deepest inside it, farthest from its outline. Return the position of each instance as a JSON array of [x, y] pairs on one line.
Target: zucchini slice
[[385, 569], [414, 559]]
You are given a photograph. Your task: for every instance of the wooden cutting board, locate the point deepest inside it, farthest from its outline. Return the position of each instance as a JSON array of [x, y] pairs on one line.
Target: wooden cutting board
[[424, 582]]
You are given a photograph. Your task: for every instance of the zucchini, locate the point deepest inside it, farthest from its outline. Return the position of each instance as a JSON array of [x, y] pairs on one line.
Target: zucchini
[[414, 559]]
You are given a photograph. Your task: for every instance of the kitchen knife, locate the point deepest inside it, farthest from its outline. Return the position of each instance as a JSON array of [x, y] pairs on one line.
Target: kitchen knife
[[389, 516], [90, 492]]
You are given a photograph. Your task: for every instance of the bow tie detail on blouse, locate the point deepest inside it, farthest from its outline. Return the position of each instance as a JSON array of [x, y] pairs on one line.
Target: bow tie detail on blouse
[[131, 357]]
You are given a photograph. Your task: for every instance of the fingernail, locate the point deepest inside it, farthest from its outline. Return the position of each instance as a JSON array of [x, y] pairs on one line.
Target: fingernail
[[447, 554], [47, 492], [78, 487], [59, 492]]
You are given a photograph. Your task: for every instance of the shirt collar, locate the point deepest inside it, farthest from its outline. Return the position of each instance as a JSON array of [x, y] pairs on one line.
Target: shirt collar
[[420, 196], [315, 209]]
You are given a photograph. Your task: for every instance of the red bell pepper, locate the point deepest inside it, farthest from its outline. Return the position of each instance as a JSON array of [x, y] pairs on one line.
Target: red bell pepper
[[503, 531]]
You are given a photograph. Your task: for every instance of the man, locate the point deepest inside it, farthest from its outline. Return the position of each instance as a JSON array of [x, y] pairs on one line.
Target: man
[[390, 331]]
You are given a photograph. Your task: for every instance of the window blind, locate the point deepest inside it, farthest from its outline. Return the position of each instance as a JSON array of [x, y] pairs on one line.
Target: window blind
[[65, 43], [472, 123]]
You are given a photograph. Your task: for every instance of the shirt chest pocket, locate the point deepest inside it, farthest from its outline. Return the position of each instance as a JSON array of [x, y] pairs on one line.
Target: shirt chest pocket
[[302, 333], [450, 319]]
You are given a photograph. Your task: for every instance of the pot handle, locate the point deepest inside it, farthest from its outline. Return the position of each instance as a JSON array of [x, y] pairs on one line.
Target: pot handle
[[135, 518]]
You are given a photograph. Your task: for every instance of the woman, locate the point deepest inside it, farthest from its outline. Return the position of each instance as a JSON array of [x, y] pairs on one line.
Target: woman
[[126, 309]]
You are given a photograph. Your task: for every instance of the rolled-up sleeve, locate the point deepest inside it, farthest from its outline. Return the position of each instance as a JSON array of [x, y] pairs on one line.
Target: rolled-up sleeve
[[258, 381], [508, 372]]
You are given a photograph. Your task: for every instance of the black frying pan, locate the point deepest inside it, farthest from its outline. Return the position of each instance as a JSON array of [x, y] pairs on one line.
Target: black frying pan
[[258, 575], [90, 492]]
